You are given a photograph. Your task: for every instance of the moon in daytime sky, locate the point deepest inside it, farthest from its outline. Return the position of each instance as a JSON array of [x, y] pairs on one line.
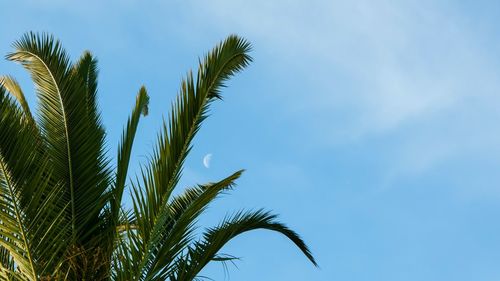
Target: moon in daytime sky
[[206, 160]]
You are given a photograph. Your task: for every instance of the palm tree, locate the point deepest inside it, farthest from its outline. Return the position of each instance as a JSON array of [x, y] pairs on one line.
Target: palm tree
[[62, 215]]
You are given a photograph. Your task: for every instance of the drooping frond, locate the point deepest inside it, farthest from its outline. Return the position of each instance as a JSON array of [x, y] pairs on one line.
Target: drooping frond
[[154, 249], [61, 213], [174, 143], [73, 135], [204, 251]]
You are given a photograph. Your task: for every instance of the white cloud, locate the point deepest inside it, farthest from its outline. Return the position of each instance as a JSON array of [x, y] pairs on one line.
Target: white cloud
[[356, 70], [407, 60], [400, 65]]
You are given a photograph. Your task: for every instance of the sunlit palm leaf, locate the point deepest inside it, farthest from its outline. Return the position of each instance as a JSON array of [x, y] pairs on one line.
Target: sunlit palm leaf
[[61, 213], [12, 86], [74, 138], [31, 220]]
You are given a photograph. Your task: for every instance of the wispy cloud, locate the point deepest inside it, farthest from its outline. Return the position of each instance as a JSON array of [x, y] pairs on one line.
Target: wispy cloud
[[351, 71], [404, 60], [388, 67]]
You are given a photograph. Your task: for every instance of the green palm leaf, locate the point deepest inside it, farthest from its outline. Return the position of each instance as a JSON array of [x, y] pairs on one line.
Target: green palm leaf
[[61, 208], [74, 138], [12, 86], [174, 230], [202, 252], [31, 206], [189, 111], [125, 147], [174, 142], [86, 69]]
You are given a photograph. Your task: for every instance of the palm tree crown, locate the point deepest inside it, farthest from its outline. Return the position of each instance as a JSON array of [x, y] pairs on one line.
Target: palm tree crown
[[61, 210]]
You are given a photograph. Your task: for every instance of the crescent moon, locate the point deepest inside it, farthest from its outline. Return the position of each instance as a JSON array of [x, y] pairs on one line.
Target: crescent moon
[[206, 160]]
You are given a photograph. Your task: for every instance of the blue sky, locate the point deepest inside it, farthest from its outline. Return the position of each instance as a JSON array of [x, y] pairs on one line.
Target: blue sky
[[372, 127]]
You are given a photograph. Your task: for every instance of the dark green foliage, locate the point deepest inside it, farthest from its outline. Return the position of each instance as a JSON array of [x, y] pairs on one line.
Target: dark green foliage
[[61, 213]]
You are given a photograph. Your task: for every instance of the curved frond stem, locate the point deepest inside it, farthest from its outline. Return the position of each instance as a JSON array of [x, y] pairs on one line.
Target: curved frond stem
[[72, 130], [26, 57], [202, 252]]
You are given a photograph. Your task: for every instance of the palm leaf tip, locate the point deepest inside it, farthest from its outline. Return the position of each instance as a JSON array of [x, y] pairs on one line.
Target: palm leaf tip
[[265, 220], [125, 147], [202, 252], [145, 104], [225, 60]]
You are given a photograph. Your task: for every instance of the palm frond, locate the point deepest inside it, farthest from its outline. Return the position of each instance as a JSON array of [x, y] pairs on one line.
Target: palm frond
[[202, 252], [173, 231], [73, 136], [20, 142], [86, 69], [61, 213], [12, 225], [31, 206], [125, 147], [7, 263], [174, 141], [13, 87], [189, 111]]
